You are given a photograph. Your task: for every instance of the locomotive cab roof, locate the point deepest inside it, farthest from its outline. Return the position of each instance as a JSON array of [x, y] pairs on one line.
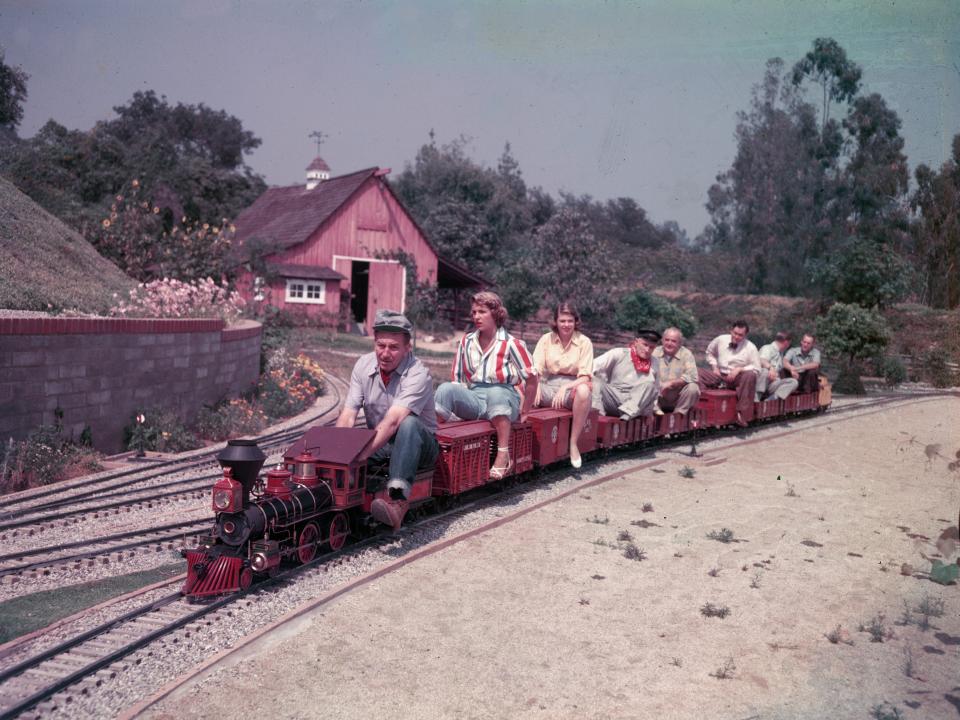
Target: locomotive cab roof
[[331, 445]]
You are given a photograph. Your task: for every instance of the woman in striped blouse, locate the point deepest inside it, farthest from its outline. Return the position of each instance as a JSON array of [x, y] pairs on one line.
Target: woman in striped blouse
[[489, 367]]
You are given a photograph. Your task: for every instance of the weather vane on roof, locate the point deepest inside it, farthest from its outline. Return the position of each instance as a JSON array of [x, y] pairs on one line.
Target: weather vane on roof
[[318, 138]]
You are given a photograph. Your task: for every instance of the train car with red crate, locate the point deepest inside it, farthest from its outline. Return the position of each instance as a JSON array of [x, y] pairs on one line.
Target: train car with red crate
[[321, 493]]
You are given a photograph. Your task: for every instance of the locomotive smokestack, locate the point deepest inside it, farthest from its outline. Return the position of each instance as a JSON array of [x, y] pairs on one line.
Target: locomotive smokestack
[[244, 459]]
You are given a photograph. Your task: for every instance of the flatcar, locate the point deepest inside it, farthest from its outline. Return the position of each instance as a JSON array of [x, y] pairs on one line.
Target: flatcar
[[320, 494]]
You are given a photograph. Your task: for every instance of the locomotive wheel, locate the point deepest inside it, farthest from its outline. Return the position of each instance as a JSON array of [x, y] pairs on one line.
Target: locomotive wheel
[[307, 542], [339, 531], [246, 578]]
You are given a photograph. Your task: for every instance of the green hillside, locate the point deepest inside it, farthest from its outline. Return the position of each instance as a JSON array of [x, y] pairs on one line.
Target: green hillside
[[45, 265]]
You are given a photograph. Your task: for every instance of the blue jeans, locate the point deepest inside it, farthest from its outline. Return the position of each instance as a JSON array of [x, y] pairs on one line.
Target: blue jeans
[[412, 448], [480, 401]]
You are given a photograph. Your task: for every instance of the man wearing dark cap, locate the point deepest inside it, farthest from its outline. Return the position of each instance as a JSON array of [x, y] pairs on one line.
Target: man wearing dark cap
[[626, 379], [395, 391]]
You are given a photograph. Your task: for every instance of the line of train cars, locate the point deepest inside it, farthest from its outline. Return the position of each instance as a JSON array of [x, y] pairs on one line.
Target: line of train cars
[[320, 495]]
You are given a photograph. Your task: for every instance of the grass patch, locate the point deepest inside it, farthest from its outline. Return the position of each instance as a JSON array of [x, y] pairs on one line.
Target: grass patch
[[27, 613], [711, 610], [724, 535]]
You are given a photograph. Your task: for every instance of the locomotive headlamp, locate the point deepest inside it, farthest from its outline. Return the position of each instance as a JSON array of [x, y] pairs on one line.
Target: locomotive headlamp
[[227, 494], [259, 562], [222, 500]]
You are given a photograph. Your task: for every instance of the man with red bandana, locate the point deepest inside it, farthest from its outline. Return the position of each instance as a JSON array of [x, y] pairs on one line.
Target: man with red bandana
[[626, 380]]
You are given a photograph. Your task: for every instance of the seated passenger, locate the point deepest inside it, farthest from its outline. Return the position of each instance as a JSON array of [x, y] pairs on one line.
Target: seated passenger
[[395, 391], [490, 363], [734, 364], [625, 380], [679, 380], [564, 363], [770, 382], [803, 364]]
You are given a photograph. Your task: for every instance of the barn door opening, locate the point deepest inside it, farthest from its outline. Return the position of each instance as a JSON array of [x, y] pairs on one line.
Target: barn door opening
[[359, 290]]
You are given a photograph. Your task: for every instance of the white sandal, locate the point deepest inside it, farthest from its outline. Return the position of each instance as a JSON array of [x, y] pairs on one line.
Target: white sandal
[[499, 473]]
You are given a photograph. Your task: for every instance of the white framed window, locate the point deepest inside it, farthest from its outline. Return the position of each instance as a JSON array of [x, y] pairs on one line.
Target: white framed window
[[259, 284], [306, 291]]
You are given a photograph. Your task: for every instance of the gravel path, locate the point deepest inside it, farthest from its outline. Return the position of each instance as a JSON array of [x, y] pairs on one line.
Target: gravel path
[[168, 660]]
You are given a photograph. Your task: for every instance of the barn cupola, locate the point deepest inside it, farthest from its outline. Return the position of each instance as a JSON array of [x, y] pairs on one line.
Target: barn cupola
[[317, 172]]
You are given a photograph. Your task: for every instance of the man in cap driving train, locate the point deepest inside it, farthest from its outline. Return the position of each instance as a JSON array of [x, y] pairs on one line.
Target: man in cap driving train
[[395, 391]]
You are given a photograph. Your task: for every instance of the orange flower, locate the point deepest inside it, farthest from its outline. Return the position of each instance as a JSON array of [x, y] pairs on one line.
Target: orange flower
[[106, 223]]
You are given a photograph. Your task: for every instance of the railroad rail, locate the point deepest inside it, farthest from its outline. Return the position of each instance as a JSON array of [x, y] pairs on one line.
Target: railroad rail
[[34, 681], [91, 487], [45, 557]]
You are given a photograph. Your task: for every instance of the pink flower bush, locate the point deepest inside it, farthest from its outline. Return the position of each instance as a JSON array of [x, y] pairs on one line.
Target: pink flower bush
[[169, 298]]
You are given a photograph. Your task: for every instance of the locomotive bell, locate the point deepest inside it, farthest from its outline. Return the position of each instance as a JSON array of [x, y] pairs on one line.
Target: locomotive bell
[[278, 483], [244, 459]]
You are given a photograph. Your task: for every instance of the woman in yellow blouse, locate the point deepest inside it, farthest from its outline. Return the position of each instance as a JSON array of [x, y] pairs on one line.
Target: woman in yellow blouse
[[564, 361]]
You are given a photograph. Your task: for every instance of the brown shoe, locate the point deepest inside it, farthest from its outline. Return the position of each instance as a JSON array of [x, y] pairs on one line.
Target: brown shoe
[[389, 512]]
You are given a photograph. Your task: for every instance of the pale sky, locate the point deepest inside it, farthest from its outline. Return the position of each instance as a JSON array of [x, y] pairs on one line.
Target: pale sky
[[607, 98]]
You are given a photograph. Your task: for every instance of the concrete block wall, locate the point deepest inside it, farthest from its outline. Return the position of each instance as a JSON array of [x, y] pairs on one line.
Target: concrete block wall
[[101, 372]]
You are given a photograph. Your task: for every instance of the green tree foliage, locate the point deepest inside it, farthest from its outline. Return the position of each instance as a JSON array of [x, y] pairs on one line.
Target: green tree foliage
[[936, 234], [773, 207], [574, 265], [866, 273], [642, 309], [13, 93], [188, 160], [852, 333], [799, 188], [877, 175], [827, 65], [471, 213], [520, 289], [537, 249]]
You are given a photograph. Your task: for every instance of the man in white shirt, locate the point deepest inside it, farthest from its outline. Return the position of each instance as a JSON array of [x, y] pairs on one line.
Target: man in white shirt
[[770, 384], [734, 364]]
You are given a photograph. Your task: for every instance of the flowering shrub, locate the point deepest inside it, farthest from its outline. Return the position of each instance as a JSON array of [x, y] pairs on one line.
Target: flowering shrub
[[236, 417], [289, 385], [175, 299], [146, 241], [161, 431], [45, 457]]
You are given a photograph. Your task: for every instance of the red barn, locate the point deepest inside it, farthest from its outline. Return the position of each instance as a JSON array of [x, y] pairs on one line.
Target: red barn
[[302, 244]]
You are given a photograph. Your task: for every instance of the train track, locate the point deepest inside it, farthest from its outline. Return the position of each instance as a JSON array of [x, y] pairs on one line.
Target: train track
[[74, 555], [127, 480], [71, 508], [92, 656]]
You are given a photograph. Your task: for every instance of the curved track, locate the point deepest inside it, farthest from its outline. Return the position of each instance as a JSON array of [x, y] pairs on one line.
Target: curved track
[[85, 658]]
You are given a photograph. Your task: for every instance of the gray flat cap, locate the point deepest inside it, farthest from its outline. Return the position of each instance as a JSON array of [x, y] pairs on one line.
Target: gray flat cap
[[392, 321]]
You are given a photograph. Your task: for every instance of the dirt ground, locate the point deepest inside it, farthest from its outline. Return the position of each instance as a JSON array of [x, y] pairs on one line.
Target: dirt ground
[[545, 617]]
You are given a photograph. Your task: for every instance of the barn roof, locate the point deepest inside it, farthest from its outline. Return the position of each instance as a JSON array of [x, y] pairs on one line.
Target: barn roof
[[286, 216]]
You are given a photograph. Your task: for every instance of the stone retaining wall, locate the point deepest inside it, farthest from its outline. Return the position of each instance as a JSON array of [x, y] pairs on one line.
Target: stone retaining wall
[[100, 372]]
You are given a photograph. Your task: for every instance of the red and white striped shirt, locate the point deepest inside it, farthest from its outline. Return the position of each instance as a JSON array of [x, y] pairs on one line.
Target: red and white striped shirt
[[506, 361]]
